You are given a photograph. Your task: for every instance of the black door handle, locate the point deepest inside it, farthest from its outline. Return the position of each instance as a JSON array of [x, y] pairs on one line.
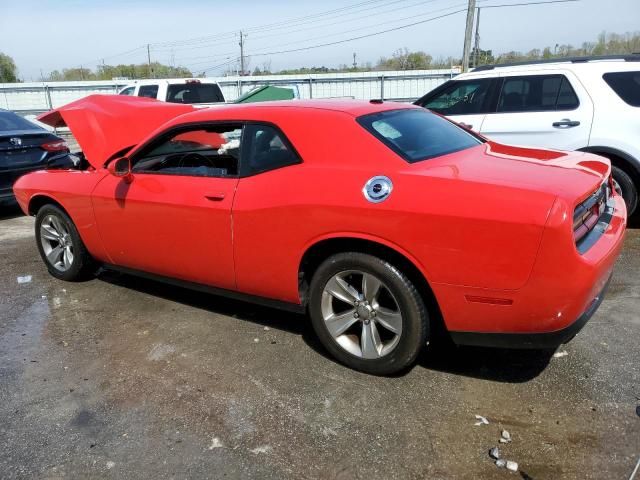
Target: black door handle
[[566, 123], [215, 197]]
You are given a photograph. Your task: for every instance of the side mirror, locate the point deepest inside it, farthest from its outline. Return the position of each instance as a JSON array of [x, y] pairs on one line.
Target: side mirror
[[121, 167]]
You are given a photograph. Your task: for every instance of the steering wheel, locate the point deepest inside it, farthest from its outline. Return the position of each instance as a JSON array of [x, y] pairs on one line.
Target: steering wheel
[[197, 158]]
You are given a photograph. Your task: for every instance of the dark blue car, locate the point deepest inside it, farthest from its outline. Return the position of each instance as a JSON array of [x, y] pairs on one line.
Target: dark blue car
[[25, 147]]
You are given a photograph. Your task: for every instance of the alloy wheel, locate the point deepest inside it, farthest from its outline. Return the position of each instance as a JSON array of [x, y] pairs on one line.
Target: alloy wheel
[[361, 314], [57, 243]]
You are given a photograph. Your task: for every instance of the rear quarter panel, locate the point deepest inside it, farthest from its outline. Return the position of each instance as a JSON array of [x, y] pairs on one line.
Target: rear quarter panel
[[455, 230]]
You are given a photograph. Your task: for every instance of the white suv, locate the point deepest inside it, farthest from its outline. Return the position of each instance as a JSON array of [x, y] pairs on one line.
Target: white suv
[[192, 91], [590, 104]]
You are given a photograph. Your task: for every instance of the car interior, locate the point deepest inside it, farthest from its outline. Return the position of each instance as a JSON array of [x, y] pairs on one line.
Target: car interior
[[203, 153]]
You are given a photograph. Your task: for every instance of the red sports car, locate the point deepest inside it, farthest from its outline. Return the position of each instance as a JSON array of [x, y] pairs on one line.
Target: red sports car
[[381, 220]]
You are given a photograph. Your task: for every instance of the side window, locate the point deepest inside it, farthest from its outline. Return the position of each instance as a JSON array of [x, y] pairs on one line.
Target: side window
[[150, 91], [626, 85], [463, 97], [537, 93], [127, 91], [204, 152], [265, 148]]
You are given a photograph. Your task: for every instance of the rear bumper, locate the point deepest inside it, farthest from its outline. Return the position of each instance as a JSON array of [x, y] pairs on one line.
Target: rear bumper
[[531, 340]]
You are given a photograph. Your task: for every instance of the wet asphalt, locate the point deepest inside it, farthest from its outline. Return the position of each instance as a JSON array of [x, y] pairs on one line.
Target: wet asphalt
[[119, 377]]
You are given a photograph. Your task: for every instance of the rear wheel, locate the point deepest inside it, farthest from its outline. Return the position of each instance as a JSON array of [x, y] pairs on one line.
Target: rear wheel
[[367, 313], [626, 188], [60, 245]]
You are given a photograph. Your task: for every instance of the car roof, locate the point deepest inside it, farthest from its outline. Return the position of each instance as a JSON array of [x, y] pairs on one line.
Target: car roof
[[354, 108], [170, 81], [596, 64]]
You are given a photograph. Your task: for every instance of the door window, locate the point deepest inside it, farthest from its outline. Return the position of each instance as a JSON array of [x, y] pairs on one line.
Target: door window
[[463, 97], [127, 91], [537, 93], [626, 85], [149, 91], [266, 149], [204, 152]]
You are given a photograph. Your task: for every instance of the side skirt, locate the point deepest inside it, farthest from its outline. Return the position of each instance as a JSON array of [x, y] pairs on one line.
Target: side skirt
[[266, 302]]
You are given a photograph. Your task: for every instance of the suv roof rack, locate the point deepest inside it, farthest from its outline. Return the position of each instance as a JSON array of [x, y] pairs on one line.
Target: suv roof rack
[[633, 57]]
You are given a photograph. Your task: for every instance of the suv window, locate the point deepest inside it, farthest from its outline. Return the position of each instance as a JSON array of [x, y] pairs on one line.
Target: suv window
[[626, 85], [149, 91], [266, 148], [417, 134], [127, 91], [537, 93], [203, 152], [461, 97], [193, 92]]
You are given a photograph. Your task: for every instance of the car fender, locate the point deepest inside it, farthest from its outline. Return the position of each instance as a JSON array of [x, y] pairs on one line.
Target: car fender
[[71, 190]]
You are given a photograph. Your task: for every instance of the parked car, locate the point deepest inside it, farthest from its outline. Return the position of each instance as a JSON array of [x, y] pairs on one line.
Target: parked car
[[192, 91], [25, 147], [400, 221], [590, 104]]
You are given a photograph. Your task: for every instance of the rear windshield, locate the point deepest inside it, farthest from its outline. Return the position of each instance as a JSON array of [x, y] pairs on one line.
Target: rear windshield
[[626, 85], [417, 134], [11, 121], [194, 93]]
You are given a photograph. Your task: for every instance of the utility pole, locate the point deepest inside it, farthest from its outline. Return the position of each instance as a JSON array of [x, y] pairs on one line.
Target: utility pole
[[476, 48], [471, 10], [355, 64], [241, 52], [148, 61]]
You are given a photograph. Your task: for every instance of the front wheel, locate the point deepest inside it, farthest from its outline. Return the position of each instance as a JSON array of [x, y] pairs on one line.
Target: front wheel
[[367, 313], [60, 245]]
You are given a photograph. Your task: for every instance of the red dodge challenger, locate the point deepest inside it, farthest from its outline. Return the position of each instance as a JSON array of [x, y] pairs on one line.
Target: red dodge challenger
[[382, 220]]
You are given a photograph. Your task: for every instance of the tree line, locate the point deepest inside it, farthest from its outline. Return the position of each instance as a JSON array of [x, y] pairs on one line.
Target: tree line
[[401, 59]]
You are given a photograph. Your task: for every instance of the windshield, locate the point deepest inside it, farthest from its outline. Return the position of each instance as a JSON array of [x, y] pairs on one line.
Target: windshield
[[10, 121], [194, 93], [416, 134]]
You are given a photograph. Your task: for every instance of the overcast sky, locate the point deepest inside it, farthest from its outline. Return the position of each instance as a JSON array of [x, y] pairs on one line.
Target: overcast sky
[[48, 35]]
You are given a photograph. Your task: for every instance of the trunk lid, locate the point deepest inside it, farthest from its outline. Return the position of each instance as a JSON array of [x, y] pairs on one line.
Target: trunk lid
[[573, 176], [104, 125]]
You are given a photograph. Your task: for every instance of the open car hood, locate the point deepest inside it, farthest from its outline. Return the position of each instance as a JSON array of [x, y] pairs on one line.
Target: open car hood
[[104, 125]]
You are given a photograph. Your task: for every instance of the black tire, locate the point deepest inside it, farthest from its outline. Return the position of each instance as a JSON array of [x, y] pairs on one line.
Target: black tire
[[627, 188], [415, 320], [82, 266]]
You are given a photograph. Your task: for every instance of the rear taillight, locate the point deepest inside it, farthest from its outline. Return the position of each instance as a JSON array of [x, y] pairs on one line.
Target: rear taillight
[[587, 214], [57, 146]]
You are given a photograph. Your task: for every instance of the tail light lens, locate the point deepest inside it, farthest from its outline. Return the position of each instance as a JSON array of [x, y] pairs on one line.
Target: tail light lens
[[57, 146], [587, 214]]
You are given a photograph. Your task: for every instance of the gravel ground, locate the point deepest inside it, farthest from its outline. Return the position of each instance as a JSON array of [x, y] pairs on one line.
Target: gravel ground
[[119, 377]]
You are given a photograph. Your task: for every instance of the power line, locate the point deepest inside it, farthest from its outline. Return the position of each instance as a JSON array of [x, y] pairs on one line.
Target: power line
[[528, 3], [366, 27], [344, 21], [477, 42], [360, 36], [293, 21], [284, 31], [350, 31]]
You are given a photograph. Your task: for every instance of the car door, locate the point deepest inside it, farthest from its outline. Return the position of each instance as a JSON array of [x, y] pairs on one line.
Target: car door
[[173, 216], [463, 101], [551, 110], [262, 218]]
